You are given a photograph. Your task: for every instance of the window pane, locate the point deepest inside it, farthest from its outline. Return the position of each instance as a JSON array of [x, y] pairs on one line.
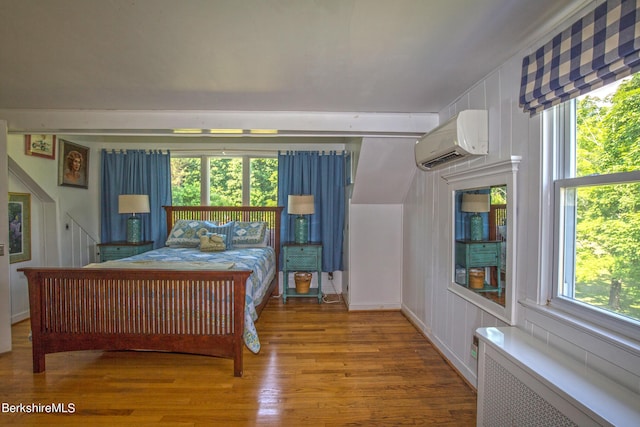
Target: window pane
[[264, 182], [608, 129], [602, 247], [185, 181], [225, 181]]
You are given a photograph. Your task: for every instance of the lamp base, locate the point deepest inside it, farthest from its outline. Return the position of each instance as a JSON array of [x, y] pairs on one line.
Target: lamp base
[[475, 226], [134, 230], [301, 231]]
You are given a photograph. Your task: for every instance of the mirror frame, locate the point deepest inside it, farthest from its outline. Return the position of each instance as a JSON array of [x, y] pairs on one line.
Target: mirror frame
[[489, 175]]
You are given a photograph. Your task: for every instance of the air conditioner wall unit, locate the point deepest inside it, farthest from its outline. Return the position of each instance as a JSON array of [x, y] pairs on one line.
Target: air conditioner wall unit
[[464, 135]]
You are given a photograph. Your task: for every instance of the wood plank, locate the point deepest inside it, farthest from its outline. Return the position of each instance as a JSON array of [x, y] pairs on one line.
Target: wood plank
[[319, 365]]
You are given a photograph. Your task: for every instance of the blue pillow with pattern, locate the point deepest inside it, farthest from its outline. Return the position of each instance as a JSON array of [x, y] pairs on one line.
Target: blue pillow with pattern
[[250, 234], [184, 233], [226, 230]]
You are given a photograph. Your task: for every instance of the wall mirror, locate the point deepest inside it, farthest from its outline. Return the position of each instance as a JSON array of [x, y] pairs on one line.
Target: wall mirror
[[480, 249], [483, 221]]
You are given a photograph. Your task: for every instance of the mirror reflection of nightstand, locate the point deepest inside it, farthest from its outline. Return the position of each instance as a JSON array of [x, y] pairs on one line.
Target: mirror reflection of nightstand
[[472, 254]]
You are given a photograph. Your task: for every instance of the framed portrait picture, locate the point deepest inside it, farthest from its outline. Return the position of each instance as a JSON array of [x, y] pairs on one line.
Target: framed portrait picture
[[40, 145], [73, 165], [19, 227]]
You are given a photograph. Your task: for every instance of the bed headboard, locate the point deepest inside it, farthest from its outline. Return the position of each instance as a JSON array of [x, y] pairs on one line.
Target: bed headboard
[[223, 214]]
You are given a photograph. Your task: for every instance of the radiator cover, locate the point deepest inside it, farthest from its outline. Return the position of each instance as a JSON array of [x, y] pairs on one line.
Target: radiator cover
[[509, 402], [523, 382]]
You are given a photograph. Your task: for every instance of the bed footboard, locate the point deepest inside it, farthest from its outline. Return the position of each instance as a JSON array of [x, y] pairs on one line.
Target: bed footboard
[[199, 312]]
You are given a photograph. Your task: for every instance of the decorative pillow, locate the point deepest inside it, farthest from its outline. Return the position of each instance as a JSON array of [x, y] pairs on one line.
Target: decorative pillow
[[250, 234], [210, 242], [225, 230], [184, 233]]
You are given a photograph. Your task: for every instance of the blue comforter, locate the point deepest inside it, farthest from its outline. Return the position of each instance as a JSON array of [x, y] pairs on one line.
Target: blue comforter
[[259, 260]]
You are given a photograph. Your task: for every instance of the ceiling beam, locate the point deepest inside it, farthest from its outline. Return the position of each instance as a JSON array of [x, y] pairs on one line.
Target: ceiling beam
[[164, 122]]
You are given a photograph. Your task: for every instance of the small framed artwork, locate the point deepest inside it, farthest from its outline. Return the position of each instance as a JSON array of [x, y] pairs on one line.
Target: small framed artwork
[[19, 227], [73, 165], [40, 146]]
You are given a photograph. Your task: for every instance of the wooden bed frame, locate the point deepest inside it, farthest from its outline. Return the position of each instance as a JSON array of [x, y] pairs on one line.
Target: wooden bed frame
[[198, 312]]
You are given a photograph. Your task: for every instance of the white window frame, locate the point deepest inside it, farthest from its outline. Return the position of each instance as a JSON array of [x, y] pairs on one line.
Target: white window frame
[[560, 126]]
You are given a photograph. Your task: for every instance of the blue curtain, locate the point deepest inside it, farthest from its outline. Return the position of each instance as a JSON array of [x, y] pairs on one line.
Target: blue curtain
[[323, 175], [135, 172]]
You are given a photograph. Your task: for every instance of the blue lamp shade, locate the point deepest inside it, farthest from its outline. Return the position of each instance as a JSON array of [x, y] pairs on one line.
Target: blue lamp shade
[[475, 203], [301, 205], [133, 204]]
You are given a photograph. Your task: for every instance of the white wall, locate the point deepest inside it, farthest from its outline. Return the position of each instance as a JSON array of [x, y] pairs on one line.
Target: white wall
[[56, 214], [5, 289], [353, 146], [375, 253], [386, 167], [19, 286], [386, 170], [450, 321], [80, 204]]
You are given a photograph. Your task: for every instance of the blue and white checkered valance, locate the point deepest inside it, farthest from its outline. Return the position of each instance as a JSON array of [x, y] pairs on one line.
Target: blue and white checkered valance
[[600, 48]]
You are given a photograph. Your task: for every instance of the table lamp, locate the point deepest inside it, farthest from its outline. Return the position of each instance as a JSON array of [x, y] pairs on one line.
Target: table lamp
[[475, 203], [133, 204], [301, 205]]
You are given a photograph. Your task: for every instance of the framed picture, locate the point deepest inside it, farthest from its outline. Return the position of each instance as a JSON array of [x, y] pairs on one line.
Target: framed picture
[[19, 227], [73, 165], [40, 145]]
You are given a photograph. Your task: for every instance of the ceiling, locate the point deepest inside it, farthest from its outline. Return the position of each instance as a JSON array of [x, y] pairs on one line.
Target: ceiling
[[395, 56]]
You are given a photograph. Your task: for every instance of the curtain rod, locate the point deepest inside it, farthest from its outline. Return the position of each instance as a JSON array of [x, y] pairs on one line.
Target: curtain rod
[[124, 150]]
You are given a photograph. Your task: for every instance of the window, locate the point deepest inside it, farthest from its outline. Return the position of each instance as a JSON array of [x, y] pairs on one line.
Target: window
[[224, 181], [185, 181], [263, 182], [597, 199]]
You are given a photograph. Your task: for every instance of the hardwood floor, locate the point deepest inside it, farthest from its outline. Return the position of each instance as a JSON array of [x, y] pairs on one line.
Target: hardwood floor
[[319, 366]]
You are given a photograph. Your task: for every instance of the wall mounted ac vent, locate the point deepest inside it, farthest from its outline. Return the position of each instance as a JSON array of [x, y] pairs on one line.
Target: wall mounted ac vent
[[464, 135]]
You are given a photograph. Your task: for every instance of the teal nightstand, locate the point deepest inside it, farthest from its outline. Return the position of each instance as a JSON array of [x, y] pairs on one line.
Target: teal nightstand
[[116, 250], [483, 253], [305, 257]]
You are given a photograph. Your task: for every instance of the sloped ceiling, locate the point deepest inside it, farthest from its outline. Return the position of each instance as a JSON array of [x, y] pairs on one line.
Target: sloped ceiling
[[316, 65], [405, 56], [387, 167]]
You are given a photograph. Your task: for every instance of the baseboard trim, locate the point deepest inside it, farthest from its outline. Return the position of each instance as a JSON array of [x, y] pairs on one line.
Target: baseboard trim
[[17, 318]]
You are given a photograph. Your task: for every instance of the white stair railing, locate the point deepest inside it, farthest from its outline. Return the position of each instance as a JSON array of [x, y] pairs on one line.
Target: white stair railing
[[79, 247]]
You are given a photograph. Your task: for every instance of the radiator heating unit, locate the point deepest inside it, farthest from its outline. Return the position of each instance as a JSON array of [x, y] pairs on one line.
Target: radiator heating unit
[[522, 382]]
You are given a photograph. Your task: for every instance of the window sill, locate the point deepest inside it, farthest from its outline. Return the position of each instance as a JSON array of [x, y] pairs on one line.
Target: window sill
[[606, 335]]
